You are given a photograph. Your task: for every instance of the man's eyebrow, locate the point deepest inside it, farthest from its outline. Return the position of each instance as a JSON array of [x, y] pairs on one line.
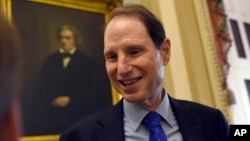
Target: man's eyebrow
[[133, 46]]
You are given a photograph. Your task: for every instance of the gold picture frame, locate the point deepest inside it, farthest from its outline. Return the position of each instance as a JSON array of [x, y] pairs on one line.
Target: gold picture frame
[[95, 6]]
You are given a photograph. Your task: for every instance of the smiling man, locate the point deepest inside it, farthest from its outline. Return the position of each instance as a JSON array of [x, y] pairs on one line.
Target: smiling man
[[136, 52]]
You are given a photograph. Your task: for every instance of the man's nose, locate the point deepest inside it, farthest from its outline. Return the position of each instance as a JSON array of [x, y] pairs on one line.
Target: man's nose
[[124, 66]]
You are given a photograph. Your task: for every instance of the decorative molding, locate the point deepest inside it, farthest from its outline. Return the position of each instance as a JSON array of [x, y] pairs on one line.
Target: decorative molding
[[222, 40], [216, 74], [5, 5]]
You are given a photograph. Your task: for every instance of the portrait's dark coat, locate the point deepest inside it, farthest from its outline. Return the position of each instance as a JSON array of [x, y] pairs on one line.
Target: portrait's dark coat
[[81, 80]]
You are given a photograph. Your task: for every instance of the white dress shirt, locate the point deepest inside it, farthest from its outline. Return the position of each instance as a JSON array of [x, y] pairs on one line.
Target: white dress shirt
[[134, 114]]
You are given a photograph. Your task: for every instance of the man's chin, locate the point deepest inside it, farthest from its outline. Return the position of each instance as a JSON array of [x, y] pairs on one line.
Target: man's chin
[[132, 98]]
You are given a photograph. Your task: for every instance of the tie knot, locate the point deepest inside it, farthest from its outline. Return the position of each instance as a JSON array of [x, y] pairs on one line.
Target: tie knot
[[152, 119], [66, 54]]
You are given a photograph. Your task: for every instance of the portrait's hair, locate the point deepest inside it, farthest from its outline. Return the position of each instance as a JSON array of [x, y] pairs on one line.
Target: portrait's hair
[[9, 62], [76, 33], [151, 22]]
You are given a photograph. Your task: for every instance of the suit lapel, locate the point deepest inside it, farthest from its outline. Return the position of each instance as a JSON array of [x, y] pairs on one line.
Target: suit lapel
[[112, 125], [189, 122]]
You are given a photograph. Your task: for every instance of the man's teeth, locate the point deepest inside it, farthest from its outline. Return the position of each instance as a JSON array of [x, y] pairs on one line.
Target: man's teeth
[[128, 82]]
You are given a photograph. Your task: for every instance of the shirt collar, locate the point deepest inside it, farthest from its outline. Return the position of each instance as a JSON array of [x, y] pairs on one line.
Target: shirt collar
[[72, 51], [135, 113]]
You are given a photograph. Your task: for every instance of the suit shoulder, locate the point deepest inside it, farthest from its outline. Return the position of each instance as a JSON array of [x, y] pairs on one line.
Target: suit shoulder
[[83, 57], [53, 55], [82, 128], [87, 126], [197, 107], [86, 121]]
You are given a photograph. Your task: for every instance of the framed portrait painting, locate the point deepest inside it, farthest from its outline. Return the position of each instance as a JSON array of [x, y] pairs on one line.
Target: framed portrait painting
[[55, 96]]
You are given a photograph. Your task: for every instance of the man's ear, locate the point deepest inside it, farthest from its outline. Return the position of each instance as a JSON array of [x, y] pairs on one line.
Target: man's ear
[[165, 51]]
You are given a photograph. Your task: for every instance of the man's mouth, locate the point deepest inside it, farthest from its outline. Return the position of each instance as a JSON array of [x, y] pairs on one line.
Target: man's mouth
[[130, 81]]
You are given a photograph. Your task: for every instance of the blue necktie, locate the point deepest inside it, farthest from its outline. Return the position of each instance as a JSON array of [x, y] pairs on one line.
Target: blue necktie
[[152, 121]]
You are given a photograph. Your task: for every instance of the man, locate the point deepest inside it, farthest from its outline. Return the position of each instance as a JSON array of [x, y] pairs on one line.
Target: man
[[69, 87], [10, 126], [136, 51]]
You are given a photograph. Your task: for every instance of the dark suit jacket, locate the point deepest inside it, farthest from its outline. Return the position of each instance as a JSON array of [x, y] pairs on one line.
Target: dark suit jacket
[[197, 123]]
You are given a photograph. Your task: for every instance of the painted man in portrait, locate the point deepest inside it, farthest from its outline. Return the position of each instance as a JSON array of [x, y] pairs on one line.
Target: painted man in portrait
[[69, 87]]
